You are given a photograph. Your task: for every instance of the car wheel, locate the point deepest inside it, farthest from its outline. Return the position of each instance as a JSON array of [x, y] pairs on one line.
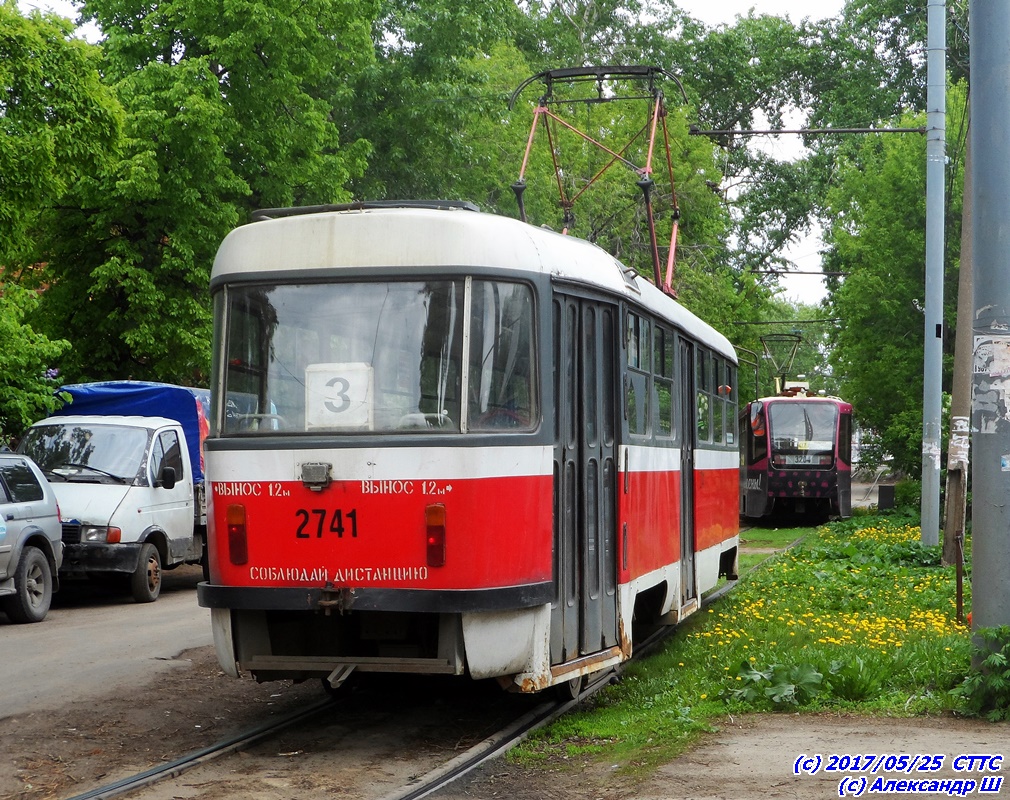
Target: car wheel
[[33, 584], [145, 583]]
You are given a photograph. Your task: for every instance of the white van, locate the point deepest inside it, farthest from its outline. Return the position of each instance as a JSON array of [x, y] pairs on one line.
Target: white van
[[130, 486]]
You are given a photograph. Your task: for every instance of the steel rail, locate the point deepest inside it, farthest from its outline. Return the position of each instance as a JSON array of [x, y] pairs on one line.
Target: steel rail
[[490, 748], [199, 757], [508, 737]]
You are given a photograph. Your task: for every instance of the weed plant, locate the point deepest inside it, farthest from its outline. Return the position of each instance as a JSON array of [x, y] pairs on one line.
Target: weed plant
[[986, 690], [860, 616]]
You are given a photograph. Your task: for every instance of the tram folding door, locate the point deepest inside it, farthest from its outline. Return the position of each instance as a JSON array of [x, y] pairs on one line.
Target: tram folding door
[[584, 614], [688, 592]]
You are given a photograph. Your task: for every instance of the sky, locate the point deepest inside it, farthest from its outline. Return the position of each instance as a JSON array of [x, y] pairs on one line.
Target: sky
[[65, 8], [713, 12], [804, 254]]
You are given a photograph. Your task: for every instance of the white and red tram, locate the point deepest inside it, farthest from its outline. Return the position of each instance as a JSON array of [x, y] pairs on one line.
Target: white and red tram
[[444, 441]]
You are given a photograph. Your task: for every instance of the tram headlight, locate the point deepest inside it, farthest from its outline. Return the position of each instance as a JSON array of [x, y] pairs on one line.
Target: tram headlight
[[238, 541], [434, 520]]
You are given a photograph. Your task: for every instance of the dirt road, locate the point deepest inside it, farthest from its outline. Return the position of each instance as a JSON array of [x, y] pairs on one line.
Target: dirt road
[[95, 639], [754, 758]]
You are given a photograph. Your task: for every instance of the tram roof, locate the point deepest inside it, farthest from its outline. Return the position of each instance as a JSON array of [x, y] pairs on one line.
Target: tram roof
[[811, 398], [410, 237]]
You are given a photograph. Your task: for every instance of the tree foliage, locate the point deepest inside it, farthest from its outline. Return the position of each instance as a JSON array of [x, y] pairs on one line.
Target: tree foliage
[[131, 244], [229, 107], [26, 391], [58, 122], [878, 204]]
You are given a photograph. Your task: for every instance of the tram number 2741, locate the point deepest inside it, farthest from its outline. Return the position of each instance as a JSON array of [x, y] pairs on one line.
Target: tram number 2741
[[319, 521]]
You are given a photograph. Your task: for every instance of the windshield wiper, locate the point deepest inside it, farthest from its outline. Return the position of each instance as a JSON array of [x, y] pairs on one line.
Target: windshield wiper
[[116, 478]]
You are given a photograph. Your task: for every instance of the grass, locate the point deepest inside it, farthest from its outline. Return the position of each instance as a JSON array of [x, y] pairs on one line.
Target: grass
[[762, 541], [858, 617], [770, 538]]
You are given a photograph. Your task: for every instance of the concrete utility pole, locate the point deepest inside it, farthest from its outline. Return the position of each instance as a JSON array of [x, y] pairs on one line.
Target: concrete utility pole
[[989, 134], [936, 115], [958, 446]]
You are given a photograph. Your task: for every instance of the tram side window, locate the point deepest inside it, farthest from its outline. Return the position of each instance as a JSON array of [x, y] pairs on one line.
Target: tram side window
[[718, 404], [728, 393], [502, 392], [703, 382], [756, 441], [723, 401], [845, 438], [636, 389], [250, 316], [742, 422], [662, 381]]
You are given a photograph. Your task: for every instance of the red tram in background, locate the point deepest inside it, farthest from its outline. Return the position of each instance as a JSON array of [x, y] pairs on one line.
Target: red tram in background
[[796, 457], [444, 441]]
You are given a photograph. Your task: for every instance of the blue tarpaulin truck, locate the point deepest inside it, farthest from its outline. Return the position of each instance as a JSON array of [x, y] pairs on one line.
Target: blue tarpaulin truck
[[125, 461]]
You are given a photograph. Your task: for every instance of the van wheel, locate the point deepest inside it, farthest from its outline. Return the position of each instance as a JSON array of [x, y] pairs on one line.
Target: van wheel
[[145, 584], [33, 583]]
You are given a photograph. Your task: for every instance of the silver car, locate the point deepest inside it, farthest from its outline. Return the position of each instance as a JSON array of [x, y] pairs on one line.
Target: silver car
[[31, 548]]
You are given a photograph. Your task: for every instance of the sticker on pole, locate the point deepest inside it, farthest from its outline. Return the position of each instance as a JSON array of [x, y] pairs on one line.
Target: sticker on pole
[[338, 396], [992, 356]]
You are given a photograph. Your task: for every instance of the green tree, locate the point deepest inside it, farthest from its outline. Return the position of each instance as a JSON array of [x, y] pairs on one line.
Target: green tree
[[230, 106], [57, 123], [131, 245], [441, 74], [27, 388], [878, 239]]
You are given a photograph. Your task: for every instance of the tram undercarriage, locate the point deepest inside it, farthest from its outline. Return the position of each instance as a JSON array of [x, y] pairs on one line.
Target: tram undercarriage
[[512, 646]]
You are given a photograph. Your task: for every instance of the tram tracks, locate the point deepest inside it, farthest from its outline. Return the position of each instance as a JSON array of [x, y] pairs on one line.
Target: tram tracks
[[400, 732], [423, 785], [543, 715], [427, 781], [225, 747], [495, 745]]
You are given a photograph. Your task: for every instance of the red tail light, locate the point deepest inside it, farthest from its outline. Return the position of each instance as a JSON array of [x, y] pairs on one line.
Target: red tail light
[[238, 542], [434, 519]]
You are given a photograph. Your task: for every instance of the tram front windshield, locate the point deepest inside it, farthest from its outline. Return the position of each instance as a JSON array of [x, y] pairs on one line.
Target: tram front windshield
[[802, 433], [403, 356]]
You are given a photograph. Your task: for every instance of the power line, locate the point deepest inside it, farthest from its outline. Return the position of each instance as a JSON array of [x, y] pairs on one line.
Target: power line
[[790, 321], [696, 131], [797, 272]]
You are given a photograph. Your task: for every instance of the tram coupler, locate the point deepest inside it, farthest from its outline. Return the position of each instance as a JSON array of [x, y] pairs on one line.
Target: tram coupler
[[339, 600]]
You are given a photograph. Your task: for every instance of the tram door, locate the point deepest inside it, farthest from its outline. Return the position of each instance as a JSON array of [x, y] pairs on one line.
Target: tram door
[[688, 427], [584, 614]]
